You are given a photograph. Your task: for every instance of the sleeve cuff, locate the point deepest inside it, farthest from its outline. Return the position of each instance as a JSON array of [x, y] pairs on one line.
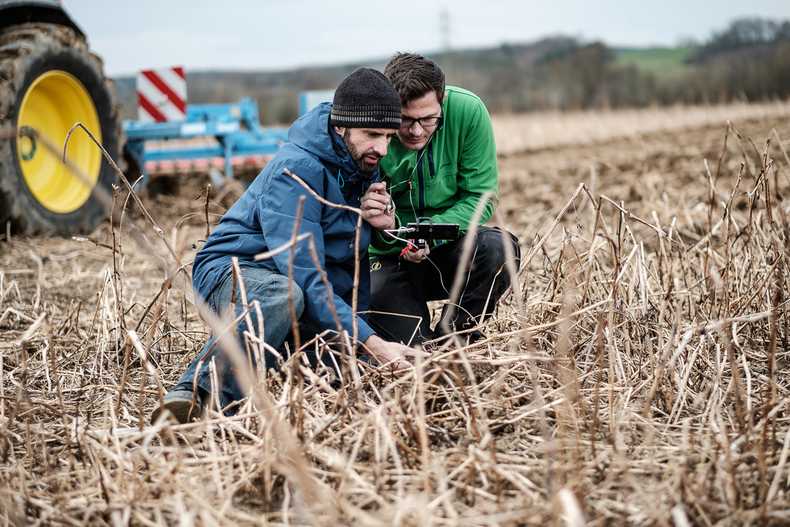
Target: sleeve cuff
[[363, 330]]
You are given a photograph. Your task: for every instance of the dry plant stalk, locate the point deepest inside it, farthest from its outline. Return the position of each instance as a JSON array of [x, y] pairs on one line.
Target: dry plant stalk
[[636, 373]]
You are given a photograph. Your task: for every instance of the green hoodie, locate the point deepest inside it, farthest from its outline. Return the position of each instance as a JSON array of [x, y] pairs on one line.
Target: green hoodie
[[444, 180]]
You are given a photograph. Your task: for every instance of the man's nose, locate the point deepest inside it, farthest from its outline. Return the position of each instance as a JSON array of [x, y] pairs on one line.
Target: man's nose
[[416, 128], [380, 146]]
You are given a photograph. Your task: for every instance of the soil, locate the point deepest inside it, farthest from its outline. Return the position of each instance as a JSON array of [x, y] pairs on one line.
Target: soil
[[662, 178]]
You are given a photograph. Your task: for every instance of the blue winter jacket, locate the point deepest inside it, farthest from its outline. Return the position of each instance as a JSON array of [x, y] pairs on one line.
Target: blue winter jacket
[[263, 219]]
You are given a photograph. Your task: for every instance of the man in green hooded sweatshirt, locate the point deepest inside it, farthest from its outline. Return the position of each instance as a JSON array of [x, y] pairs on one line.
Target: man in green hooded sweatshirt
[[439, 166]]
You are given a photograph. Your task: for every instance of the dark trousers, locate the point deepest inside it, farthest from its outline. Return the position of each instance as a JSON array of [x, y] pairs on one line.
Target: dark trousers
[[400, 290]]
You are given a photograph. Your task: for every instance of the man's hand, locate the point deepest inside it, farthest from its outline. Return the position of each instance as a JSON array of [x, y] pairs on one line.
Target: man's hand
[[416, 256], [390, 354], [377, 207]]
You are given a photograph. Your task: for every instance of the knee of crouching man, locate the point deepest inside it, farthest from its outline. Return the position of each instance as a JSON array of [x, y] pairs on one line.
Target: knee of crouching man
[[491, 244]]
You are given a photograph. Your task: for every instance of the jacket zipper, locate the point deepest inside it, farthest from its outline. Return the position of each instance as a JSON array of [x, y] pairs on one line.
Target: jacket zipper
[[431, 170], [431, 167], [420, 189]]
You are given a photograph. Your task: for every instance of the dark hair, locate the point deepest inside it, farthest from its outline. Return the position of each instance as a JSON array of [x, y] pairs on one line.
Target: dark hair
[[414, 76]]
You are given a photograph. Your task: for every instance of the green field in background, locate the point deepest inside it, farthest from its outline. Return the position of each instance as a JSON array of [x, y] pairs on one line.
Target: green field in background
[[654, 60]]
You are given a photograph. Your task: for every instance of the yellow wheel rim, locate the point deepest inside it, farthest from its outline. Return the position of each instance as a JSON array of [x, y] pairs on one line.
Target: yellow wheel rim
[[55, 101]]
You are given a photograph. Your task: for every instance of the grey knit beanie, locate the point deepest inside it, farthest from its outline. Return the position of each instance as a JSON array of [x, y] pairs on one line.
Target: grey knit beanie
[[366, 99]]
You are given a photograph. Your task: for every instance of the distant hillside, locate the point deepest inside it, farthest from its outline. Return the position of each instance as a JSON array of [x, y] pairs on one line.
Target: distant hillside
[[655, 60], [750, 60], [508, 78]]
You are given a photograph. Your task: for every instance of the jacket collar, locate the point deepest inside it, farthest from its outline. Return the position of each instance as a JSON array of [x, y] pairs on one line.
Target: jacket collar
[[313, 133]]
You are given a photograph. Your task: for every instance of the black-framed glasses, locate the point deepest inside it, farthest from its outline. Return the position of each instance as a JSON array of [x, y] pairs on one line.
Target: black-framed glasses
[[425, 122]]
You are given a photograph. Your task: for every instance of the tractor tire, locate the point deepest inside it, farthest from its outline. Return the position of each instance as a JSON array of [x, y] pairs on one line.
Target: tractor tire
[[49, 80]]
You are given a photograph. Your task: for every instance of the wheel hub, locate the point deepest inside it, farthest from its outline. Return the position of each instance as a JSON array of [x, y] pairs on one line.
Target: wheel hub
[[53, 103]]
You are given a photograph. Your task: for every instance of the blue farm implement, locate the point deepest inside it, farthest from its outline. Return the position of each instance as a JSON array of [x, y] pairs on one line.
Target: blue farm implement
[[233, 132]]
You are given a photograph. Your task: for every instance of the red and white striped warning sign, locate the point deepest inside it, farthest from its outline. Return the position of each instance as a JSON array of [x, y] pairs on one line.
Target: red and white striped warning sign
[[162, 95]]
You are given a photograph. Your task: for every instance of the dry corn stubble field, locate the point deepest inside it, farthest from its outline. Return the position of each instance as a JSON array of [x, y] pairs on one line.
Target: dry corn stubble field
[[636, 375]]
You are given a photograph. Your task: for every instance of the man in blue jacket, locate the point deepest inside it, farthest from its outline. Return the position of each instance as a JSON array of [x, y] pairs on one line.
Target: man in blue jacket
[[335, 149]]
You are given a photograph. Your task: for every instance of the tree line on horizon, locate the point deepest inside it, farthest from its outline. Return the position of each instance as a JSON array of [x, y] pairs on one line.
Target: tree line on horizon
[[747, 61]]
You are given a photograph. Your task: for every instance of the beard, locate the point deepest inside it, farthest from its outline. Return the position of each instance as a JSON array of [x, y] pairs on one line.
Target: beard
[[363, 165]]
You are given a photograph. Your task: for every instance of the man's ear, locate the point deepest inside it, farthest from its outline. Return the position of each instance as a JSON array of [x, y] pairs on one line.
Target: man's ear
[[340, 130]]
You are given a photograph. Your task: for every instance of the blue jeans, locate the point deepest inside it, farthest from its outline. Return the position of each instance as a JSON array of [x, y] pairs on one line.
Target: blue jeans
[[270, 289]]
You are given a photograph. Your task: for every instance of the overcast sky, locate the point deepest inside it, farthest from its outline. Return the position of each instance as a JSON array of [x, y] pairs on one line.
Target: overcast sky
[[286, 34]]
